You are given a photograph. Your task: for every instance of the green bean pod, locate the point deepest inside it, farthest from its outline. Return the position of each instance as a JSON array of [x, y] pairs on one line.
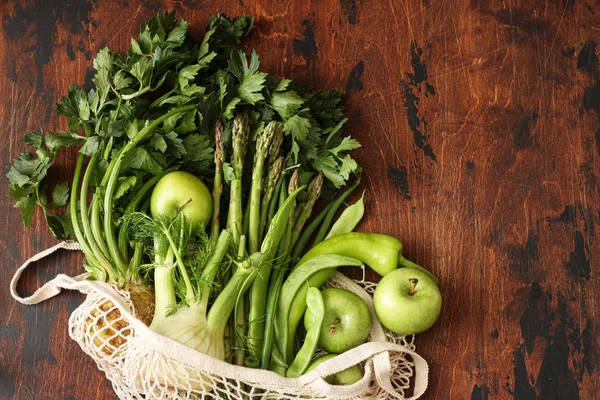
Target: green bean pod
[[275, 284], [315, 303], [296, 285], [349, 219]]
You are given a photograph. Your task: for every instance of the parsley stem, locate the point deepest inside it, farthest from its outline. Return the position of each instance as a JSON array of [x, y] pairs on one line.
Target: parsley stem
[[110, 182], [41, 204], [73, 209], [89, 254], [109, 233], [108, 148], [116, 114], [162, 98], [136, 94], [83, 204], [97, 226]]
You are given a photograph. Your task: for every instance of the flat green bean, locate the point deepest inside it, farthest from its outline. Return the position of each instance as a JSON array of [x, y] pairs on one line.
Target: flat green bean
[[314, 302], [349, 219]]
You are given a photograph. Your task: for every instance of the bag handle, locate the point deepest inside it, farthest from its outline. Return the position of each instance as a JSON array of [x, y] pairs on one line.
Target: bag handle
[[421, 376], [51, 288], [380, 353]]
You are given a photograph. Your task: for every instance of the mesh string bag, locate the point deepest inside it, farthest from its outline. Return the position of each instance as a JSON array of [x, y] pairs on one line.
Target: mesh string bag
[[142, 364]]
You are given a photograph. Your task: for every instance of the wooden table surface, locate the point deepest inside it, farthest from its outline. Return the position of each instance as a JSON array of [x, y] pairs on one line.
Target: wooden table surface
[[480, 125]]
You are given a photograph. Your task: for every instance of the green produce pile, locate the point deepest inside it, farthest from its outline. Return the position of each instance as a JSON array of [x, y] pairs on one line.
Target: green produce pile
[[195, 189]]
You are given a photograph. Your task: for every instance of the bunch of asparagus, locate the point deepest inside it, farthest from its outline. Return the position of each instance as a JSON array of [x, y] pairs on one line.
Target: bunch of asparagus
[[271, 182]]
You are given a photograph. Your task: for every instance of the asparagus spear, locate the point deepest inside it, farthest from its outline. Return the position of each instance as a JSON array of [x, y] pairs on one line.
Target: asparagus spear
[[258, 292], [240, 136], [292, 186], [254, 202], [218, 182], [314, 192], [276, 145], [272, 178]]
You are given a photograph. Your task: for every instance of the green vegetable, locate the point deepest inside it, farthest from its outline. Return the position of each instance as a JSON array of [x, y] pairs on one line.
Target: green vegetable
[[130, 136], [296, 285], [272, 300], [240, 137], [348, 220], [314, 191], [219, 158], [275, 202], [192, 328], [382, 253], [270, 189], [289, 240], [276, 280], [263, 143], [258, 293], [241, 132], [308, 231], [314, 302]]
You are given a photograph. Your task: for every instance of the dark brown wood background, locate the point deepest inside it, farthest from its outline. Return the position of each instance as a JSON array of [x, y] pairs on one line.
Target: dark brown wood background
[[480, 124]]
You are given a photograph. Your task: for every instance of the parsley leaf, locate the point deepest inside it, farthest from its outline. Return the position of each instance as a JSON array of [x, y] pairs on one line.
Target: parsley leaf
[[125, 184], [60, 195], [297, 126], [251, 81], [286, 103], [141, 159]]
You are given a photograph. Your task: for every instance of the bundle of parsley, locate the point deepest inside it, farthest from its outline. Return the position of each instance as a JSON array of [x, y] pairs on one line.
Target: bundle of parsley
[[174, 103]]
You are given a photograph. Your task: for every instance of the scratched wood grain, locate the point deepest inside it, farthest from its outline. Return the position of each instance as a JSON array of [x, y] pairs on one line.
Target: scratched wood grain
[[480, 124]]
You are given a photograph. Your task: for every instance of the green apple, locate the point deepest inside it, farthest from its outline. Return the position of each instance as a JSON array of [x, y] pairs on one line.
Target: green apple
[[345, 377], [347, 321], [182, 191], [407, 301]]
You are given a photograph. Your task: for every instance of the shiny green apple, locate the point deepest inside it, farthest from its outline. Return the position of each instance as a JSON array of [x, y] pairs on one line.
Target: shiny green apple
[[182, 191], [345, 377], [407, 301], [347, 321]]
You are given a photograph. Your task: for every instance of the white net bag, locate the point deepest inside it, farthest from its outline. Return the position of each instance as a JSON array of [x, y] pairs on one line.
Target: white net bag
[[141, 364]]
